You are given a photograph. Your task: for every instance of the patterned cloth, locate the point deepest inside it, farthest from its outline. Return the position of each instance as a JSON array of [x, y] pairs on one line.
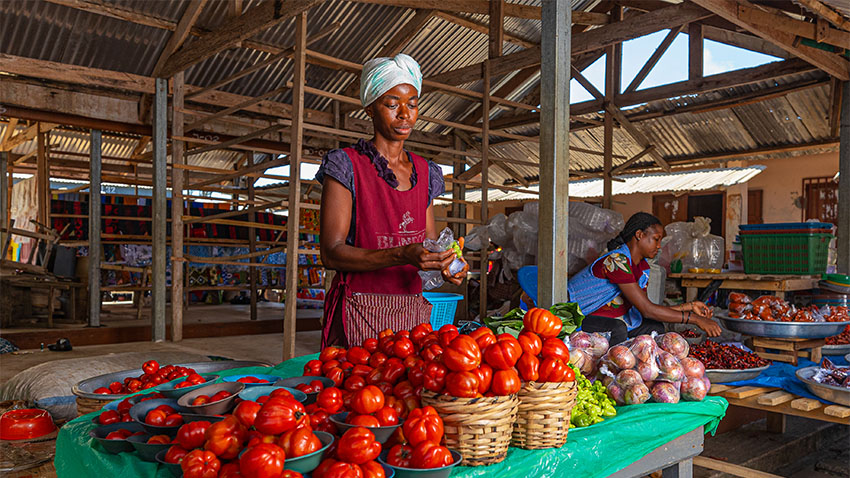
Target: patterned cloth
[[617, 268], [383, 74]]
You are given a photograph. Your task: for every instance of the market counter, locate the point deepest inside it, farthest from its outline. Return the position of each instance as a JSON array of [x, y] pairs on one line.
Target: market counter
[[596, 451]]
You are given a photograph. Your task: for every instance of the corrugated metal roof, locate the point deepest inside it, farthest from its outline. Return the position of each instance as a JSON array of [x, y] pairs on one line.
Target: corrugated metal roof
[[700, 180]]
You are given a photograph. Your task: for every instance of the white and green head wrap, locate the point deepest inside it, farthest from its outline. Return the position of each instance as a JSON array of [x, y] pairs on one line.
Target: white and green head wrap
[[383, 74]]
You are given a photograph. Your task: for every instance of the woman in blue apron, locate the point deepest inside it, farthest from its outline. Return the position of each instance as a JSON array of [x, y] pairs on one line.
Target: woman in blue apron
[[612, 290]]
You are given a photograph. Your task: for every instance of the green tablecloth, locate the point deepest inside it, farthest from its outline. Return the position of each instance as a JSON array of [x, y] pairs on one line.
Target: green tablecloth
[[595, 451]]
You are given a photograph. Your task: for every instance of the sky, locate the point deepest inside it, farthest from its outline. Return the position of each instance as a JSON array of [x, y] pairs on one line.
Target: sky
[[671, 67]]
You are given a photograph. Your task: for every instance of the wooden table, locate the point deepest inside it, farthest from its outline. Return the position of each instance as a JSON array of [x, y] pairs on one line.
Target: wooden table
[[53, 286], [779, 284], [779, 403]]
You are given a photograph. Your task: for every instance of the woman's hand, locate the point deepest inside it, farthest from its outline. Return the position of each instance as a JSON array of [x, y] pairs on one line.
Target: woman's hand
[[416, 255], [709, 326], [702, 310], [456, 279]]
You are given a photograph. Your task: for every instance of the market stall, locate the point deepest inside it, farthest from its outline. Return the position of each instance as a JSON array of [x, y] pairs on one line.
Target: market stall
[[627, 440]]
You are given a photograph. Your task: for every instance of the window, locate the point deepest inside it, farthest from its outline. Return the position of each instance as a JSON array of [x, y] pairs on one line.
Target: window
[[821, 199]]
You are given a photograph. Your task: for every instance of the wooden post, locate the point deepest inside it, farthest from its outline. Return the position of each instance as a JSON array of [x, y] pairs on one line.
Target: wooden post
[[177, 208], [844, 182], [497, 28], [613, 62], [252, 240], [159, 213], [554, 153], [485, 167], [695, 51], [94, 227], [295, 151], [43, 181], [458, 192], [4, 199]]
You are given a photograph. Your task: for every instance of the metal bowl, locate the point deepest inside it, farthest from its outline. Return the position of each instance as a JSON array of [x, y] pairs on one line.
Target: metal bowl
[[270, 379], [173, 468], [147, 451], [836, 349], [733, 375], [218, 407], [782, 330], [141, 409], [114, 446], [382, 434], [442, 472], [254, 393], [170, 390], [309, 462], [839, 395], [86, 387], [293, 382]]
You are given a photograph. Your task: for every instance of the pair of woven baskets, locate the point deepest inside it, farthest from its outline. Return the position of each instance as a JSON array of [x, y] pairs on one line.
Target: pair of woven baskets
[[543, 415]]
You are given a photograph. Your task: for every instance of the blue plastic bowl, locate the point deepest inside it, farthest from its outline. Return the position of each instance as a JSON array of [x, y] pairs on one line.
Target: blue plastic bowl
[[293, 382], [141, 409], [254, 393], [174, 468], [382, 434], [235, 378], [442, 472], [169, 391], [147, 451], [311, 461], [115, 446]]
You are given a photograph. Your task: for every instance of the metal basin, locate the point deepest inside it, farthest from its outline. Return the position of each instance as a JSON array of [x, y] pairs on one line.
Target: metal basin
[[733, 375], [782, 330], [839, 395]]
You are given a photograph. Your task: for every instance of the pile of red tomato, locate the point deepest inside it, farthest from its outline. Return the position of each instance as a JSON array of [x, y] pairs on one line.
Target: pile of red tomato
[[205, 399], [152, 376], [122, 413], [423, 430], [164, 416], [545, 357]]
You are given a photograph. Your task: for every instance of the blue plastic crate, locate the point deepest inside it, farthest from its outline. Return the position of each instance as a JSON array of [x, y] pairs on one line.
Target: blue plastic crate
[[443, 308], [803, 226]]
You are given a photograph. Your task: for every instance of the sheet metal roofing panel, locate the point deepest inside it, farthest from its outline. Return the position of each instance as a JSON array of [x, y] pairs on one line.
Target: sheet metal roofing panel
[[700, 180]]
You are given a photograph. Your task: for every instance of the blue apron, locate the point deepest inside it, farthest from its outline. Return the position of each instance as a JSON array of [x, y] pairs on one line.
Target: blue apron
[[591, 292]]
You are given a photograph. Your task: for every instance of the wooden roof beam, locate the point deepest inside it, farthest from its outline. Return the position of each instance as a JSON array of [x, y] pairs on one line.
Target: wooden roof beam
[[827, 13], [820, 32], [232, 32], [731, 10], [481, 27], [462, 6]]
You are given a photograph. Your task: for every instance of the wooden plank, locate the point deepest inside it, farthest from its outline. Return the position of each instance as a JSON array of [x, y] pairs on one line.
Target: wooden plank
[[799, 28], [744, 40], [462, 6], [774, 398], [257, 167], [482, 27], [730, 468], [653, 59], [745, 392], [829, 62], [236, 141], [717, 388], [184, 26], [233, 109], [177, 209], [837, 411], [496, 22], [695, 51], [255, 20], [826, 12], [11, 128], [805, 404]]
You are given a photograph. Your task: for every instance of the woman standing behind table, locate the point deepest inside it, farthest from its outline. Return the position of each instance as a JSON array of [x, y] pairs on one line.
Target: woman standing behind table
[[376, 212], [612, 290]]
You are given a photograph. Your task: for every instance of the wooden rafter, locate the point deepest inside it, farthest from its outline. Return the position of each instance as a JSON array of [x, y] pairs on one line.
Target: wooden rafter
[[827, 13], [496, 27], [238, 107], [829, 62], [820, 32], [10, 130], [586, 83], [462, 6], [637, 135], [184, 27], [257, 19], [744, 40], [482, 27], [653, 59]]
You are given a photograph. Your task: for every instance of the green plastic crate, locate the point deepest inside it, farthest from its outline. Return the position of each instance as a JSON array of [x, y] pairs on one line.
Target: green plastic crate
[[804, 254]]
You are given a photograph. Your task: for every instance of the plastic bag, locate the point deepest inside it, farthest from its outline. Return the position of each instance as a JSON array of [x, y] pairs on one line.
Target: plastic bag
[[693, 244], [474, 238], [497, 228], [434, 279]]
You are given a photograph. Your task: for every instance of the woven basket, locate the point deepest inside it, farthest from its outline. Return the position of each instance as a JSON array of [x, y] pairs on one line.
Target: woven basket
[[543, 417], [88, 405], [478, 428]]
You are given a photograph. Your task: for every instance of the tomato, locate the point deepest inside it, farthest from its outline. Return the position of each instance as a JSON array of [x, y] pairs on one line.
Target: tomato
[[367, 421], [410, 361], [423, 424], [134, 385], [286, 474], [484, 337], [330, 365], [399, 455], [430, 454], [485, 378], [419, 332], [403, 389], [246, 412], [368, 400], [330, 353], [116, 387], [358, 446], [281, 393], [387, 416], [462, 354], [264, 460], [462, 384], [121, 434], [393, 370], [317, 385], [354, 383], [330, 399], [173, 420], [166, 408], [279, 415], [377, 359], [346, 368], [555, 348], [504, 353], [372, 469], [542, 322], [195, 379], [102, 390], [529, 368], [396, 404], [505, 382], [175, 454], [108, 417], [200, 464], [201, 400], [193, 434], [230, 470], [530, 343], [358, 355], [331, 468], [124, 406], [553, 370], [313, 368], [299, 442], [337, 375], [403, 347], [385, 345], [226, 438], [385, 333], [371, 345], [155, 417], [435, 377], [416, 374], [159, 439]]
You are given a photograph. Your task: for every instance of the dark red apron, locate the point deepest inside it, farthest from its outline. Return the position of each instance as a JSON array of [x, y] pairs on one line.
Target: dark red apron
[[361, 304]]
